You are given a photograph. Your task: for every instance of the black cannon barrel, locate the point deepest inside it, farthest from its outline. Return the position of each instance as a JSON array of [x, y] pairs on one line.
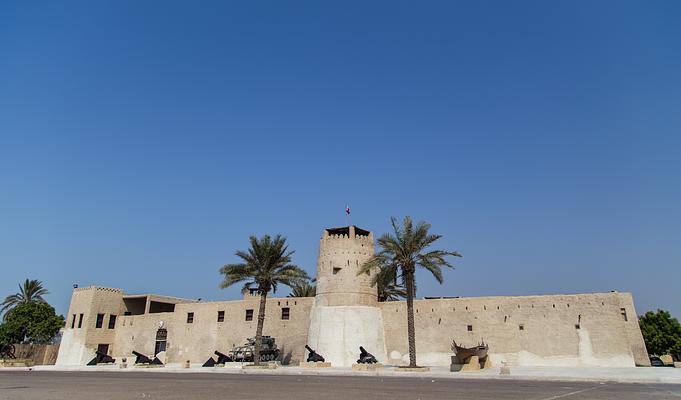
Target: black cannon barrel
[[141, 358]]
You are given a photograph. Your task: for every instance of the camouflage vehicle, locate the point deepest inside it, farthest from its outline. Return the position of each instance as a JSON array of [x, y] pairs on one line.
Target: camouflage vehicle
[[268, 351]]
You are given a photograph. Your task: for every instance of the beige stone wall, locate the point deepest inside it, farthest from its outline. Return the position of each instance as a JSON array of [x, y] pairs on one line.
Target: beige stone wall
[[345, 254], [527, 330], [198, 340], [549, 334]]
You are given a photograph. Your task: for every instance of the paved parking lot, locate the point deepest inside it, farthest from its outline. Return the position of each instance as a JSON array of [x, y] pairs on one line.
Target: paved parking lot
[[17, 385]]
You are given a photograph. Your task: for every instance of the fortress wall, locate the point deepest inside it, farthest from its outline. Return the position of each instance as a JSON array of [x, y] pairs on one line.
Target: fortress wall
[[633, 330], [198, 340], [549, 334]]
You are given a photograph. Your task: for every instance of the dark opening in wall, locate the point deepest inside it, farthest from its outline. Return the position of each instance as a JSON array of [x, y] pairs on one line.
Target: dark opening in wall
[[73, 321], [470, 328], [577, 326], [249, 315], [112, 321], [100, 321], [521, 327], [623, 311], [336, 270], [285, 313], [190, 317], [439, 321], [221, 316], [80, 321]]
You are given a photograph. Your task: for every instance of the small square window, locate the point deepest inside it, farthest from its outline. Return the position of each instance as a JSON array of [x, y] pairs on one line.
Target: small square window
[[249, 315], [112, 321], [80, 321], [221, 316], [190, 317], [578, 326], [336, 270], [521, 327], [470, 328], [100, 321], [285, 313]]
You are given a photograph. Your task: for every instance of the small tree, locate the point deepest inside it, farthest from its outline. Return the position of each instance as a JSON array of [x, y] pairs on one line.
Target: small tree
[[661, 332], [30, 323], [401, 253], [266, 264]]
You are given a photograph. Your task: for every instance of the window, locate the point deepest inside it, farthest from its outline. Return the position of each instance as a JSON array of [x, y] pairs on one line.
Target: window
[[470, 328], [80, 321], [577, 326], [285, 313], [221, 316], [336, 270], [249, 315], [127, 313], [112, 321], [623, 311], [73, 321], [100, 321], [190, 317], [521, 327]]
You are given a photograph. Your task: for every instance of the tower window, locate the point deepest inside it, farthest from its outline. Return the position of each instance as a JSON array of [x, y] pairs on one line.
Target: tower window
[[249, 315], [521, 327], [73, 321], [80, 321], [336, 270], [112, 321], [100, 321], [285, 313], [623, 311], [190, 317], [221, 316], [470, 328]]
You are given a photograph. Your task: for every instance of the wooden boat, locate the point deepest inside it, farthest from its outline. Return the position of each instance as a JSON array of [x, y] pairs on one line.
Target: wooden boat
[[463, 353]]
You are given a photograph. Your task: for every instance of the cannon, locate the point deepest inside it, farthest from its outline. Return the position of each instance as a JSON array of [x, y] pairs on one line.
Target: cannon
[[101, 358], [313, 356], [222, 358], [365, 357], [7, 351], [142, 359], [209, 363]]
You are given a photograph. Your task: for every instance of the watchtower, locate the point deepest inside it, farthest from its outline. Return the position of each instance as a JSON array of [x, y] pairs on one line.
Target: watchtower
[[342, 251], [345, 314]]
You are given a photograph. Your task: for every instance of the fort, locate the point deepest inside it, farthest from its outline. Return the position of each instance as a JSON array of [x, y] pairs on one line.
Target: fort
[[594, 329]]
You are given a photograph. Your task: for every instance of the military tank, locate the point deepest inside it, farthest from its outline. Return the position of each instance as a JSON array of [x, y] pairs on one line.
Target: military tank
[[244, 353]]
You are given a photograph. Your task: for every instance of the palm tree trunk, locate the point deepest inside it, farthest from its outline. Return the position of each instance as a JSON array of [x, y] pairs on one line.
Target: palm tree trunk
[[411, 333], [258, 330]]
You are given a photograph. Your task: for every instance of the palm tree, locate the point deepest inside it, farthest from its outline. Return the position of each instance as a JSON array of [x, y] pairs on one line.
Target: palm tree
[[305, 289], [401, 253], [390, 291], [266, 264], [31, 291]]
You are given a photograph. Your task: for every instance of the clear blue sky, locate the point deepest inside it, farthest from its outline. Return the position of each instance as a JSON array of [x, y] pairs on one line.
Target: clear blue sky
[[141, 142]]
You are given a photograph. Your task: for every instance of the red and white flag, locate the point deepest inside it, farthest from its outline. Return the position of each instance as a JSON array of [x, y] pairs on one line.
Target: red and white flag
[[347, 210]]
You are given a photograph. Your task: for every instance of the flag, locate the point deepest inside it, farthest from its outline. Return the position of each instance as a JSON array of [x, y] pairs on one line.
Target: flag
[[347, 210]]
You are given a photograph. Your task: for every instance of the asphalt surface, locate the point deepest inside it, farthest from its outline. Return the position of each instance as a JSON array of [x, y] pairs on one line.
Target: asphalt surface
[[140, 385]]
